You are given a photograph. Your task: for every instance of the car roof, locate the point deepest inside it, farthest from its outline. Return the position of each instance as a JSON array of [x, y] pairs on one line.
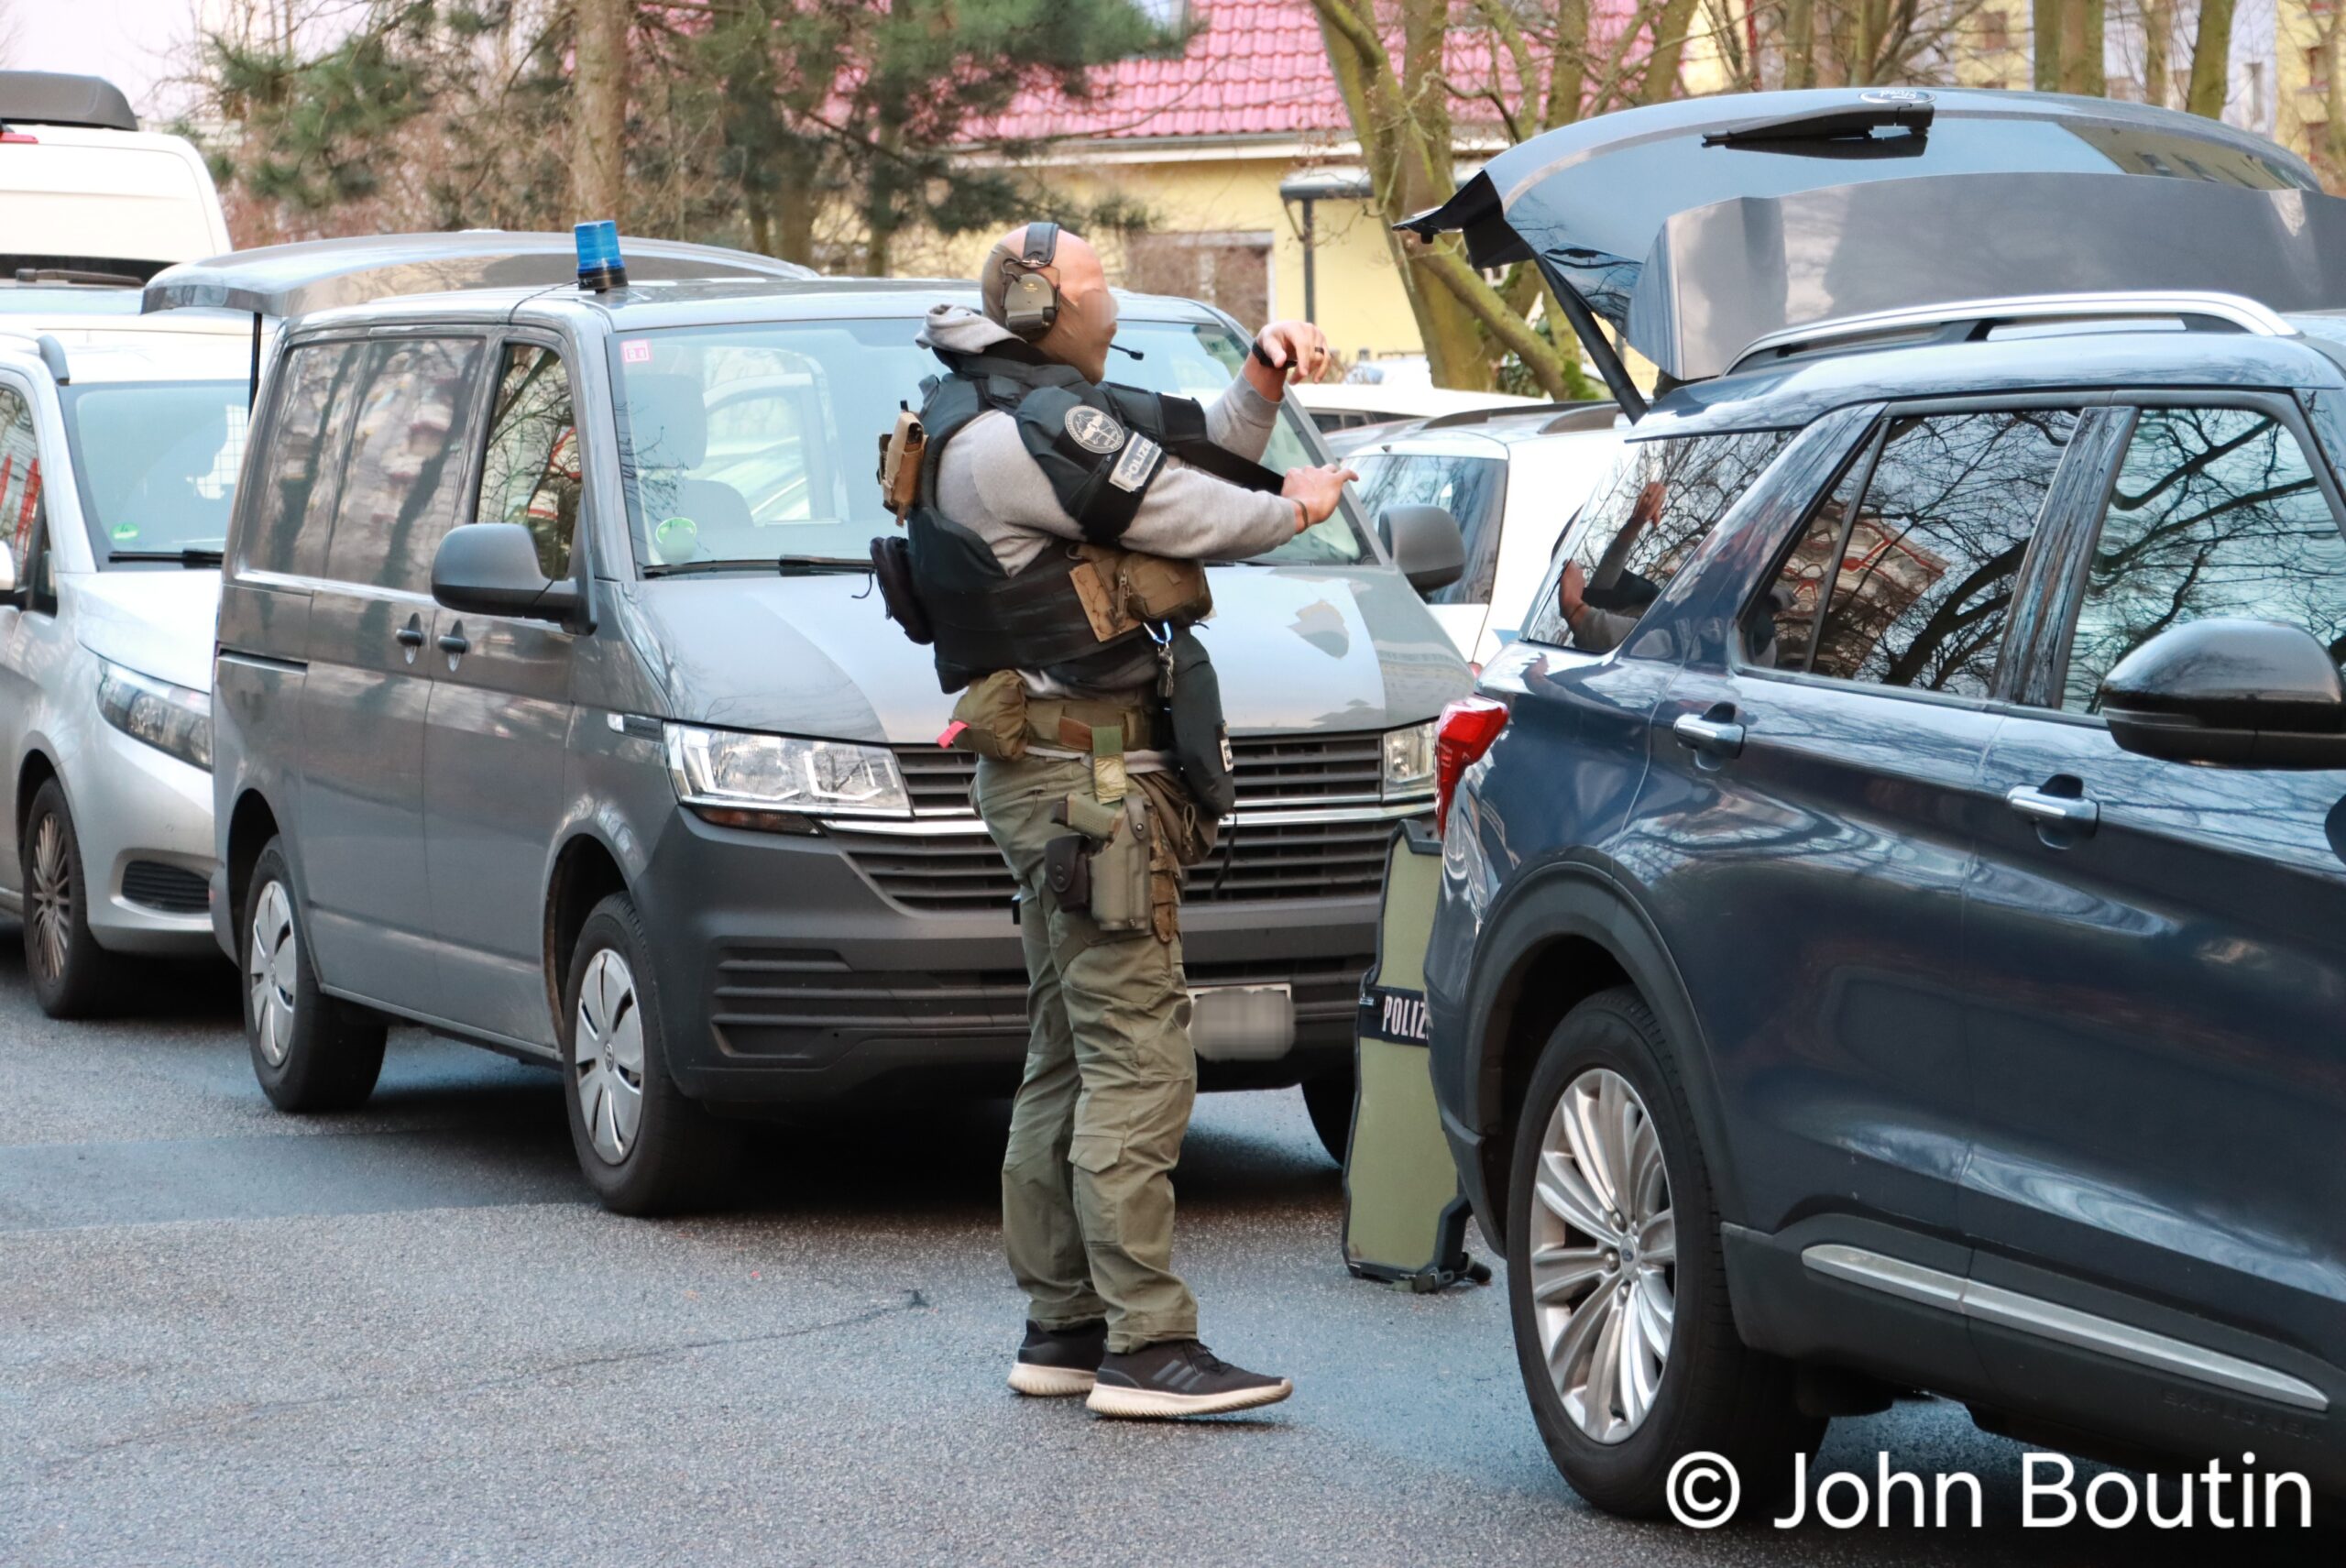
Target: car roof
[[1491, 438], [1796, 392], [103, 348], [712, 302]]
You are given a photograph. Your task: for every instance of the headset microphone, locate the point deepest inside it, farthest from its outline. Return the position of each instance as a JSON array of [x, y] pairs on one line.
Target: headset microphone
[[1120, 349]]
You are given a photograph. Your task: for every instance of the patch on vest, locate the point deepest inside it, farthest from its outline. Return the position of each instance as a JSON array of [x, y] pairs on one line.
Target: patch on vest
[[1138, 464], [1093, 430]]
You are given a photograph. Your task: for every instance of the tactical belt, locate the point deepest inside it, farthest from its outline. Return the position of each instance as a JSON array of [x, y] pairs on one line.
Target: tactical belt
[[1067, 723]]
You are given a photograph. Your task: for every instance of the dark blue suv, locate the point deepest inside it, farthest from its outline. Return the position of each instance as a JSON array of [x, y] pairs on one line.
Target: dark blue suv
[[1893, 922]]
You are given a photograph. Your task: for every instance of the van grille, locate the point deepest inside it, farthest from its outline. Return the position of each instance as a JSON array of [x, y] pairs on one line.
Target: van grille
[[777, 988], [947, 870]]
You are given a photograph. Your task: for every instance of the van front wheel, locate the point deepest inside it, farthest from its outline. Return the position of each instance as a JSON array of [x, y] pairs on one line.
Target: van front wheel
[[645, 1146], [70, 973]]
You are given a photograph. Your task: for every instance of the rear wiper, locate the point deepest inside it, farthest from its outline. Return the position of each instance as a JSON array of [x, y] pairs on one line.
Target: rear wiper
[[1840, 123], [184, 557]]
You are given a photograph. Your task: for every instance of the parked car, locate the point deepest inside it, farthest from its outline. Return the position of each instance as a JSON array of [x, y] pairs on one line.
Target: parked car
[[1894, 908], [120, 443], [630, 773], [83, 189], [1514, 482], [1341, 405]]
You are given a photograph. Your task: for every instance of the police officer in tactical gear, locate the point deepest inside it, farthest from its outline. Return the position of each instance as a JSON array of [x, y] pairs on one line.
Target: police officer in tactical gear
[[1053, 536]]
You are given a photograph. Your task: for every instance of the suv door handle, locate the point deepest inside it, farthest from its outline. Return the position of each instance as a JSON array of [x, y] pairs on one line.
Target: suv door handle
[[2041, 807], [1712, 737], [408, 636], [455, 644]]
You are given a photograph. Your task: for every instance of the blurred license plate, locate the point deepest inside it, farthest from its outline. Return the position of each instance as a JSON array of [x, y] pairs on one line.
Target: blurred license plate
[[1242, 1023]]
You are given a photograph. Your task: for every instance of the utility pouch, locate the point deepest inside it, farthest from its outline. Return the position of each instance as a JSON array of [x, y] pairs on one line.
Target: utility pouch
[[900, 453], [1201, 740], [1121, 589], [1119, 876], [892, 568], [1067, 872], [990, 717]]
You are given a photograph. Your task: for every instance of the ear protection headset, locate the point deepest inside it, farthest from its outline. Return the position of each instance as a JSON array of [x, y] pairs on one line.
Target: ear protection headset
[[1030, 302]]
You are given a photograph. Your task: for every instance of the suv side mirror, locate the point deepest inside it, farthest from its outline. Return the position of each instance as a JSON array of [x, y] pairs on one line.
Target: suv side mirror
[[2247, 693], [1424, 541], [491, 569]]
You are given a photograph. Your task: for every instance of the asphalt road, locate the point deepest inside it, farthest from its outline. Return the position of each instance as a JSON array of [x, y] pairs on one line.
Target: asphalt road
[[402, 1336]]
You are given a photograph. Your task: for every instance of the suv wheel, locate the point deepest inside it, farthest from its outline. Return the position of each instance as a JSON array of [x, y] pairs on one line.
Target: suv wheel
[[69, 971], [645, 1148], [1615, 1280], [310, 1051], [1329, 1098]]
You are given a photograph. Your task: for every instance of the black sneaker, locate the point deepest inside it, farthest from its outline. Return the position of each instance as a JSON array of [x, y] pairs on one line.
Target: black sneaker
[[1179, 1377], [1056, 1363]]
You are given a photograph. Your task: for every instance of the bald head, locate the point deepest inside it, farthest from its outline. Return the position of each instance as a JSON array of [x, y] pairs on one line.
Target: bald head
[[1087, 315]]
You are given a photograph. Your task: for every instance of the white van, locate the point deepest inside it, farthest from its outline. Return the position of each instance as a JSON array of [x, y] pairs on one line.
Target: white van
[[83, 189]]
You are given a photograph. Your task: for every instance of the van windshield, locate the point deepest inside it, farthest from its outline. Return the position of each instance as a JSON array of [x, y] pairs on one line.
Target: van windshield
[[156, 462], [757, 442]]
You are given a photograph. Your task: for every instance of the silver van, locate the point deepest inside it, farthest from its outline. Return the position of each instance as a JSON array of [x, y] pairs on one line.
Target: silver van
[[557, 712]]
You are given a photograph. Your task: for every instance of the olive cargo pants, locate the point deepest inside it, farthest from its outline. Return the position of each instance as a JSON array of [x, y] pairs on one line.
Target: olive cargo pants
[[1087, 1190]]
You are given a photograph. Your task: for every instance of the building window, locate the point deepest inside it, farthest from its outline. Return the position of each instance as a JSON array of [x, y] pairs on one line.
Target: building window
[[1232, 269], [1995, 32]]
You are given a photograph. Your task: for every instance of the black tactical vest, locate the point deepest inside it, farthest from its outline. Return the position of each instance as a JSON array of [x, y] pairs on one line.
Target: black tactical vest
[[1101, 446]]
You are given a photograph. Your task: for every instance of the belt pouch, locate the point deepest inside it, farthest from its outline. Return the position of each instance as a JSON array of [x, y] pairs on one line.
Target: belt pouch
[[1067, 871]]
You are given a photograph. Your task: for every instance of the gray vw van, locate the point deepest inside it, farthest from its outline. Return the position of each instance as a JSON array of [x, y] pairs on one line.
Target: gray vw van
[[556, 713]]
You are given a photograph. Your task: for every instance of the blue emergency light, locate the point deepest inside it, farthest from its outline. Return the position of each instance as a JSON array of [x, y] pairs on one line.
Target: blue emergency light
[[599, 265]]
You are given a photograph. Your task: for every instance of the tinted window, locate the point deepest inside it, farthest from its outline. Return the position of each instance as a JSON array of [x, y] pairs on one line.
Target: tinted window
[[1471, 489], [406, 465], [1782, 628], [158, 463], [2216, 512], [531, 474], [20, 498], [1660, 501], [1926, 563], [294, 511]]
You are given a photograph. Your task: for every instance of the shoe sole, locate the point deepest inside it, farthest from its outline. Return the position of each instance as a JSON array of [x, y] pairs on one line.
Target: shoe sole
[[1050, 1382], [1150, 1404]]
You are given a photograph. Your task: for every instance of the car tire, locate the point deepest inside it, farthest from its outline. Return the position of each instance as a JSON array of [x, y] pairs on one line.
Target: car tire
[[72, 977], [1328, 1099], [645, 1146], [1705, 1391], [310, 1051]]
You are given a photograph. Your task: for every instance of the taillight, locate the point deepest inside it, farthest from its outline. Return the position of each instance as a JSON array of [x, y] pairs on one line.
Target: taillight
[[19, 136], [1465, 733]]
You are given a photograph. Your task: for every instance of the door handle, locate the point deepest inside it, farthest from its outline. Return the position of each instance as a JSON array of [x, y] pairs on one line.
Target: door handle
[[1718, 737], [2047, 809], [455, 644], [408, 636]]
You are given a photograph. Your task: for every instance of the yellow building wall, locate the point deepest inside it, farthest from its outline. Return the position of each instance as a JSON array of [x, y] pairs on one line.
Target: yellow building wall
[[1360, 302]]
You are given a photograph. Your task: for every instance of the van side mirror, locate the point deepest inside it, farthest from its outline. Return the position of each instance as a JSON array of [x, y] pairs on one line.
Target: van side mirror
[[2244, 693], [491, 569], [7, 568], [1425, 542]]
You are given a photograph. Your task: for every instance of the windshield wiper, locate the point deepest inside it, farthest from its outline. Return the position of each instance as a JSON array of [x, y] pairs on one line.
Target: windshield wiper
[[190, 557], [788, 567]]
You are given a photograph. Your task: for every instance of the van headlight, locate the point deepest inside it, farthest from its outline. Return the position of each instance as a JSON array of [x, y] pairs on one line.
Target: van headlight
[[740, 779], [1408, 761], [175, 719]]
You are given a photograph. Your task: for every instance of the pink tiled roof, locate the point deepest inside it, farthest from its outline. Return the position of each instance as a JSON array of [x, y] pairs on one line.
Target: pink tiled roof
[[1254, 68]]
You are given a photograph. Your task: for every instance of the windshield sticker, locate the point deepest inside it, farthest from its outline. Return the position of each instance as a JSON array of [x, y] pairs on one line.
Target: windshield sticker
[[635, 351], [124, 531]]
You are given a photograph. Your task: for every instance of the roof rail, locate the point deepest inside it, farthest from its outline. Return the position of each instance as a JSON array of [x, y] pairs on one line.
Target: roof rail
[[1970, 320]]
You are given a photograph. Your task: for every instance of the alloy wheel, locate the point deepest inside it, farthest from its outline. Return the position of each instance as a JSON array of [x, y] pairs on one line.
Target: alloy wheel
[[1604, 1255], [272, 959], [53, 897], [607, 1056]]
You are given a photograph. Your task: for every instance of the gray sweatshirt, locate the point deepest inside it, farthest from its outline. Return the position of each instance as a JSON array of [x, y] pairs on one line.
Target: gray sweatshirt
[[988, 483]]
